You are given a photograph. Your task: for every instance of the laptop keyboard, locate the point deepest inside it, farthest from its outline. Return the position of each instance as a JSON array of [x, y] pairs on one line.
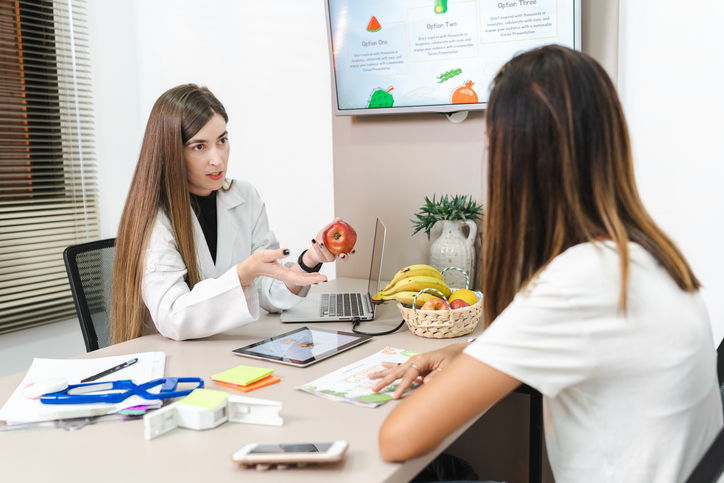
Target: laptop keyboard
[[341, 305]]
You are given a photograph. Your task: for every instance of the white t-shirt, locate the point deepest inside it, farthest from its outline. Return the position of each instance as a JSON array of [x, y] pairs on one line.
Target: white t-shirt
[[627, 398]]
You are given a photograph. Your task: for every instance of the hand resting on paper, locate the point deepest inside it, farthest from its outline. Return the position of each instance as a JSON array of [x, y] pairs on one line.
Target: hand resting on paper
[[421, 368]]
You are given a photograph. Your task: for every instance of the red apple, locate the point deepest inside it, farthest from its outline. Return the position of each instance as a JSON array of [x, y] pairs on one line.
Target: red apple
[[339, 238], [435, 304], [458, 304]]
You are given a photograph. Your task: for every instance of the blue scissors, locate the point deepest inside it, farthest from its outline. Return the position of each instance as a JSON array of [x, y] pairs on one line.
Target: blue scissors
[[85, 393]]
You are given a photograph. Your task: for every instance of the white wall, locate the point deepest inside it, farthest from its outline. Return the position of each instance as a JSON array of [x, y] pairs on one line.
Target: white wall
[[119, 126], [268, 64], [671, 72]]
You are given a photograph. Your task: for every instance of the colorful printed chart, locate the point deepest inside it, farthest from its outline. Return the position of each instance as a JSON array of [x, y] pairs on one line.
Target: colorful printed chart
[[351, 383]]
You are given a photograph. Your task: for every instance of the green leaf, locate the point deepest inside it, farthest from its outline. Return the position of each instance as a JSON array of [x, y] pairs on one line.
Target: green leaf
[[457, 207]]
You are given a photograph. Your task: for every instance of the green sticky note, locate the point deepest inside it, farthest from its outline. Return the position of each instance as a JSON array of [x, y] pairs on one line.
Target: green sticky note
[[205, 398], [242, 375]]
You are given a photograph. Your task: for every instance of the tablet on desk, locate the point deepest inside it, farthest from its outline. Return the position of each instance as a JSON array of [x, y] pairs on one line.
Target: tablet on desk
[[303, 346]]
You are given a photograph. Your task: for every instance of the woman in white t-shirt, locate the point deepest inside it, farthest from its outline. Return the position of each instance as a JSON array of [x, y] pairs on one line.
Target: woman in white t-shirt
[[586, 299]]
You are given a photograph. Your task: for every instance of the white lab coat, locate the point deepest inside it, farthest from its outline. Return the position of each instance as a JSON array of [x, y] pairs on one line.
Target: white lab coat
[[217, 303]]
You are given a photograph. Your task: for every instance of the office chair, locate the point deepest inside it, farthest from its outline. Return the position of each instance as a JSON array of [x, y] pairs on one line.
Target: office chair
[[89, 266], [711, 465], [535, 433]]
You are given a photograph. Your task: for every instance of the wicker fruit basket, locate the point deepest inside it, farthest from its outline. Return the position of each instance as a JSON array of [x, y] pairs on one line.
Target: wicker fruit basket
[[443, 324]]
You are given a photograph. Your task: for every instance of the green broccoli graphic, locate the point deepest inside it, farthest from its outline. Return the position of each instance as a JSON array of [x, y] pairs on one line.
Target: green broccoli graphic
[[448, 75], [381, 98]]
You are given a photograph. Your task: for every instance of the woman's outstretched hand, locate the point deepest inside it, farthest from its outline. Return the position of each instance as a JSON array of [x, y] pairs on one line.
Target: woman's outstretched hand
[[265, 263], [421, 367]]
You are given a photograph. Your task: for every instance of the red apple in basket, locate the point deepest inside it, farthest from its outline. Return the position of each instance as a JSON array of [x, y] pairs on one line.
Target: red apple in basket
[[458, 304], [339, 238], [435, 304]]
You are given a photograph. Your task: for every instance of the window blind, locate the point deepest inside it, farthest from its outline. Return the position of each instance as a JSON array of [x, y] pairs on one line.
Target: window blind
[[48, 185]]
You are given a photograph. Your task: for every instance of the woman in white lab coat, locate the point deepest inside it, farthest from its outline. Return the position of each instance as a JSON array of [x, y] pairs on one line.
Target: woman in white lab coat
[[194, 252]]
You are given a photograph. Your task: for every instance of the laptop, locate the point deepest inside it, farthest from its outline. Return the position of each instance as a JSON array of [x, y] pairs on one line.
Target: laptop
[[339, 307]]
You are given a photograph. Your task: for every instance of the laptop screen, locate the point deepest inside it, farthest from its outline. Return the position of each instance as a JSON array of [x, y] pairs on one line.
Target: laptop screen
[[373, 284]]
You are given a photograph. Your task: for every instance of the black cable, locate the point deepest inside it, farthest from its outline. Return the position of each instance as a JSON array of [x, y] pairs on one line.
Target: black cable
[[355, 323]]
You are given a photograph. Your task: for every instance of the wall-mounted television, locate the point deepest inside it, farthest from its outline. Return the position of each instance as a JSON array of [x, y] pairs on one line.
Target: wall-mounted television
[[401, 56]]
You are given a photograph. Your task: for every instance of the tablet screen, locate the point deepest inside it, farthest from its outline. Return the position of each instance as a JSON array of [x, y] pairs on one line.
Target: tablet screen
[[303, 346]]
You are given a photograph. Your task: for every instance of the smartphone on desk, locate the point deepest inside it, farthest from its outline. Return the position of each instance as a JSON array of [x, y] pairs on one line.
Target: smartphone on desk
[[291, 453]]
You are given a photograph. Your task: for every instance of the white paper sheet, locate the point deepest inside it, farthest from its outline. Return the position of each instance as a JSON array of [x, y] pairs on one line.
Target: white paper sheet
[[351, 383], [19, 409]]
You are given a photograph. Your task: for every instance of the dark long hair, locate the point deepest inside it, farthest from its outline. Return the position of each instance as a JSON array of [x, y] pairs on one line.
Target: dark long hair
[[160, 181], [560, 173]]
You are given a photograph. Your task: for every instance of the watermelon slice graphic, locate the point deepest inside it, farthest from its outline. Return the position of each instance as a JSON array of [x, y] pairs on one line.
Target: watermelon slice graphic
[[374, 25], [381, 98]]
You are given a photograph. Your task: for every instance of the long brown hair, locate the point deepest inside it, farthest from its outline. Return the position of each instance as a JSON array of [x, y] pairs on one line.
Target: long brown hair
[[159, 182], [560, 173]]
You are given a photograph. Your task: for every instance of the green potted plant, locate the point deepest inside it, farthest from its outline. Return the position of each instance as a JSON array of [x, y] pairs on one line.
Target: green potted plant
[[452, 248]]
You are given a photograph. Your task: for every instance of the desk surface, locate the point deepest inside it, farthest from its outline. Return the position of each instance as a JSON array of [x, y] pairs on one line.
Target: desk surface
[[117, 451]]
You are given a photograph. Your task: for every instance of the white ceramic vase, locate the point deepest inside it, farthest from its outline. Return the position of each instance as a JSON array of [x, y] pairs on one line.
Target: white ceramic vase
[[453, 249]]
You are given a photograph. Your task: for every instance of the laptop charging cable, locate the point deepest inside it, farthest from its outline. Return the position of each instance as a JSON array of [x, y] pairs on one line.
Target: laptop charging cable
[[356, 321]]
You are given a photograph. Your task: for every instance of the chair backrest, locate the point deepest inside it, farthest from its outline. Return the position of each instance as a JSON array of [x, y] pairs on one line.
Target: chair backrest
[[711, 466], [89, 266], [720, 365]]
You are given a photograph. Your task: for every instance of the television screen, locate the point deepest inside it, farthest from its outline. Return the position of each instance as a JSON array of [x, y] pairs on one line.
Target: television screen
[[394, 56]]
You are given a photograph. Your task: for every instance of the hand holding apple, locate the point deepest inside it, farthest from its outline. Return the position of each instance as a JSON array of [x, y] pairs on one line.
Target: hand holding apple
[[340, 237], [340, 234]]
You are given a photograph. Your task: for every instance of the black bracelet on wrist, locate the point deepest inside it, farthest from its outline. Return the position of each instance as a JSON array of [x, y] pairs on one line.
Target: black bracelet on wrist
[[307, 269]]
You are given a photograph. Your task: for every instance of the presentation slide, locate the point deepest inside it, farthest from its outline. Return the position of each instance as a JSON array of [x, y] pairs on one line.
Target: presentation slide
[[411, 53]]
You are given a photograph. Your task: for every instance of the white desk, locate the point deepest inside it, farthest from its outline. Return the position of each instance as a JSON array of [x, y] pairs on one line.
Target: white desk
[[117, 451]]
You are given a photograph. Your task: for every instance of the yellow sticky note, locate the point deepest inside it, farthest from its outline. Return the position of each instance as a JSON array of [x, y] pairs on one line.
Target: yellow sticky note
[[205, 398], [242, 375]]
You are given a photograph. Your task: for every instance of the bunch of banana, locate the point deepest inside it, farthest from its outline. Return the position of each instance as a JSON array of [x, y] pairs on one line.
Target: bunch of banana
[[414, 271], [406, 298], [410, 280]]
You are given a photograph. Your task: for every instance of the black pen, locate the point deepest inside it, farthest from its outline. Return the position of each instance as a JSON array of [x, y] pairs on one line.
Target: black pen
[[110, 371]]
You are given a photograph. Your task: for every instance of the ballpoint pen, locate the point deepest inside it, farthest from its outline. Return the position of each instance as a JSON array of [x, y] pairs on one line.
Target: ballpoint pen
[[110, 371]]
